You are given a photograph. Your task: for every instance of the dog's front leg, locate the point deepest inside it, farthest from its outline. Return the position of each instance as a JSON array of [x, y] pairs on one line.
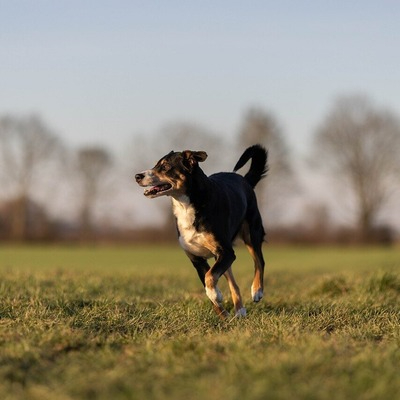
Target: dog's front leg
[[224, 260], [215, 295], [201, 266]]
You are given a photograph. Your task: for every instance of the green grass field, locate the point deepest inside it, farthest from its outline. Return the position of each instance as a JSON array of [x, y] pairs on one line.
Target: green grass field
[[134, 323]]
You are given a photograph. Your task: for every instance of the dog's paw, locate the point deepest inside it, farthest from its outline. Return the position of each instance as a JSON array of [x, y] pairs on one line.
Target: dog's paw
[[257, 295], [241, 312]]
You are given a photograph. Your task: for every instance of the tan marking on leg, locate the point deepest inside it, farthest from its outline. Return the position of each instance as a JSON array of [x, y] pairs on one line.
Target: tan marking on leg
[[215, 296], [220, 311], [258, 281], [235, 293]]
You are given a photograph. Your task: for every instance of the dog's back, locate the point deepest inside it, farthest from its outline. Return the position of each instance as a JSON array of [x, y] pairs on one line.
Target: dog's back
[[230, 202], [235, 193]]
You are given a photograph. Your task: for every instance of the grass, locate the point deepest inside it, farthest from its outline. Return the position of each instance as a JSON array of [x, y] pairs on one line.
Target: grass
[[134, 323]]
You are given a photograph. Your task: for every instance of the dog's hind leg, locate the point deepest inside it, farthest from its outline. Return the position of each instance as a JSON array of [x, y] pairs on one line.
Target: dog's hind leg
[[257, 287], [253, 238], [240, 311]]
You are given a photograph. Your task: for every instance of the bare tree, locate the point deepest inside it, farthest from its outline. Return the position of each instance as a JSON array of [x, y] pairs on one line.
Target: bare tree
[[360, 144], [27, 149], [261, 127], [191, 136], [93, 163], [179, 136]]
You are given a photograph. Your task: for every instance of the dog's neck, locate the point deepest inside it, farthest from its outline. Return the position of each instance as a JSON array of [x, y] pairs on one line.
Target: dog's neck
[[197, 187]]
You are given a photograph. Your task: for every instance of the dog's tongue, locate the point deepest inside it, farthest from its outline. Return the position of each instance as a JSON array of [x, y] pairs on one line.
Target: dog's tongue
[[152, 190], [155, 189]]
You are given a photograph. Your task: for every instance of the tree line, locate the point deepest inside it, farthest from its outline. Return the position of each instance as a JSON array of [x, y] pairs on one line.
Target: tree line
[[49, 191]]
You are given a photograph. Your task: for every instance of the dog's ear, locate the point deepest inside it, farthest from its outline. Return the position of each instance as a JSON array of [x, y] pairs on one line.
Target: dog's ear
[[191, 158], [199, 156]]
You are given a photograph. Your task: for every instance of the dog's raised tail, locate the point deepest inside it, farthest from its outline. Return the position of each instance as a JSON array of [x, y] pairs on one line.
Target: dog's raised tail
[[258, 167]]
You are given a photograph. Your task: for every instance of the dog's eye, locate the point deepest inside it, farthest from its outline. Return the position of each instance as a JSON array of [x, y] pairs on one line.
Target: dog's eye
[[165, 167]]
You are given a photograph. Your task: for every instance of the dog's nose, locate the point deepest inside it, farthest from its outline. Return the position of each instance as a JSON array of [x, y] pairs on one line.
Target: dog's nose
[[139, 177]]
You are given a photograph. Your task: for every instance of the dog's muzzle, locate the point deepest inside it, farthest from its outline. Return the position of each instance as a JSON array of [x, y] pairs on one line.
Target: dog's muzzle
[[155, 186]]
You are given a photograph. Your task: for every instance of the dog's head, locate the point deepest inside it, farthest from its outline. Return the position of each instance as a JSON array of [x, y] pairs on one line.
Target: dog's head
[[170, 174]]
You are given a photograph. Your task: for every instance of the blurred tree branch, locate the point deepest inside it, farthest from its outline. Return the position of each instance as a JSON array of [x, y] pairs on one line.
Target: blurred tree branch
[[27, 149], [359, 144]]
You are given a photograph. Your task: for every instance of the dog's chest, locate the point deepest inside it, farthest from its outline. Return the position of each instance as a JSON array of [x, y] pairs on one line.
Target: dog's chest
[[200, 244]]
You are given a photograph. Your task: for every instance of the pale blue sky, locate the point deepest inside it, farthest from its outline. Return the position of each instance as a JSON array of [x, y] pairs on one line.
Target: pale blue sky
[[99, 71]]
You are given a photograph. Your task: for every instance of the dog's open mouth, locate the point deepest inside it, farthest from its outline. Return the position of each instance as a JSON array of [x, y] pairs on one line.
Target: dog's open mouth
[[158, 189]]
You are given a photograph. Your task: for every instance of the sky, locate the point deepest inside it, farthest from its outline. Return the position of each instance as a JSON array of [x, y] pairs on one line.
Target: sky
[[99, 72]]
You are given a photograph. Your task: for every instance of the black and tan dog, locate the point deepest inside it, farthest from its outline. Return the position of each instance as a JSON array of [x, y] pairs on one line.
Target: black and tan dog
[[210, 213]]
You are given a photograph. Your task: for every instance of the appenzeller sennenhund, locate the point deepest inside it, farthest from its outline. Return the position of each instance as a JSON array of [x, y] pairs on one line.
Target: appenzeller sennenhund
[[211, 211]]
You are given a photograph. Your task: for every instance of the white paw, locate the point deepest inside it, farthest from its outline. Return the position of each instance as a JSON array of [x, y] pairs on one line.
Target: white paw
[[257, 295], [214, 294], [241, 312]]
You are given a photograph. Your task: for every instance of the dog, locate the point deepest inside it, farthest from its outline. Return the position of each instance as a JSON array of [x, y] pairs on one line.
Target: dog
[[211, 211]]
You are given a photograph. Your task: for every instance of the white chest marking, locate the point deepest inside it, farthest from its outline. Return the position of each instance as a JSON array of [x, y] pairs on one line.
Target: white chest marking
[[197, 243]]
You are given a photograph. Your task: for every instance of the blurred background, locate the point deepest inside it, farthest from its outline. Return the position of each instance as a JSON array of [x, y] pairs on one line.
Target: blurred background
[[93, 92]]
